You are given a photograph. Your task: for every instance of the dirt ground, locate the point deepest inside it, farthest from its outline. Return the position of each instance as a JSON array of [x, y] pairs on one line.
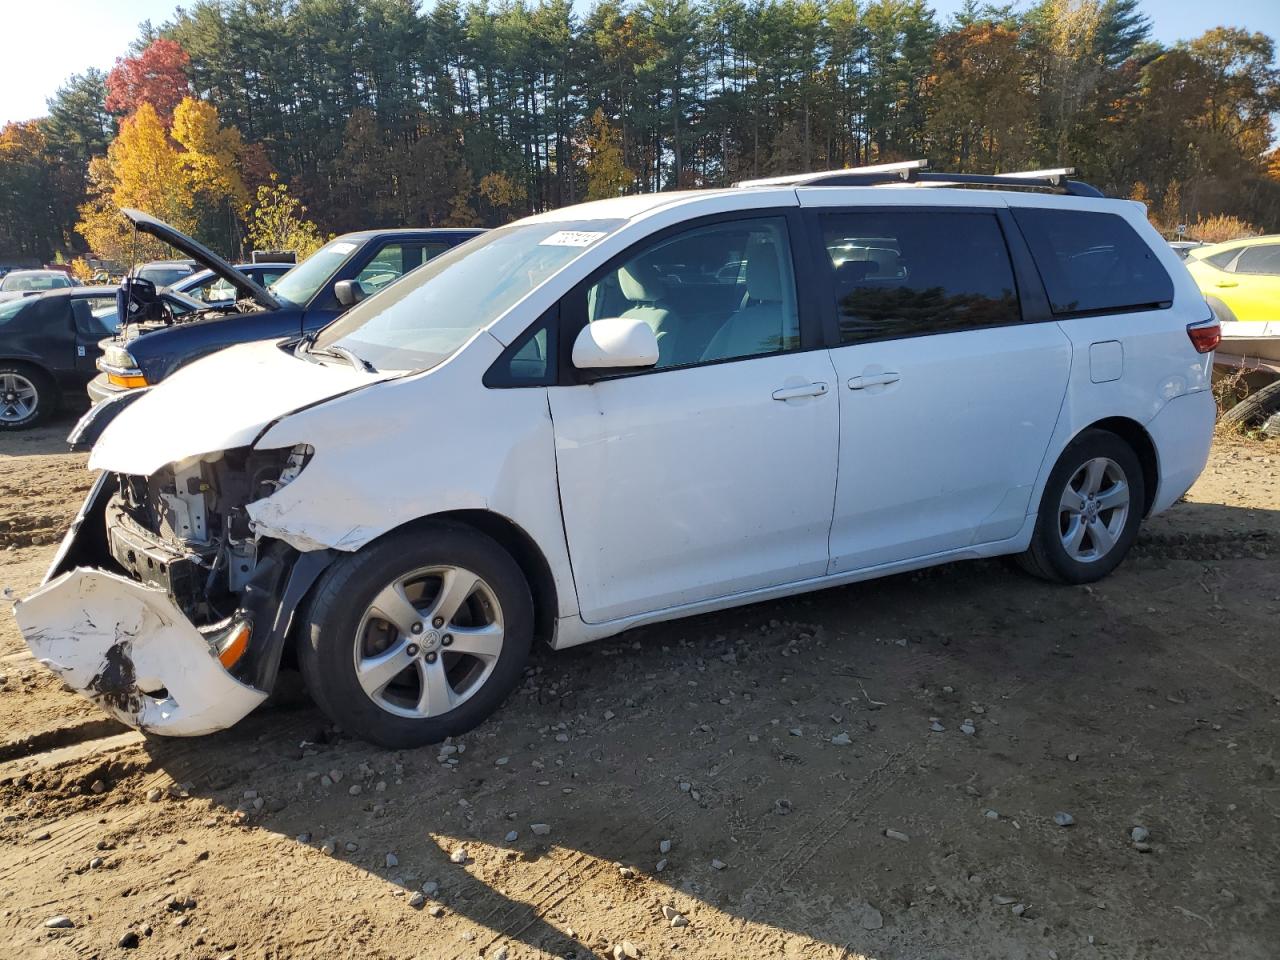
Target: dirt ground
[[1150, 700]]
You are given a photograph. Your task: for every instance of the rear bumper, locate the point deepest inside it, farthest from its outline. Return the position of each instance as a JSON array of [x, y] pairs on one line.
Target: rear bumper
[[131, 651], [1182, 433]]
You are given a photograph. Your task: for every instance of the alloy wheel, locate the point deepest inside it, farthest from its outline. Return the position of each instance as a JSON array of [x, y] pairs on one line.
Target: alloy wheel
[[428, 641], [18, 398], [1093, 509]]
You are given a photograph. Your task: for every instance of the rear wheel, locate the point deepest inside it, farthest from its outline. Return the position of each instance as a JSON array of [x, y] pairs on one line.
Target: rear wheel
[[27, 397], [1089, 513], [419, 636]]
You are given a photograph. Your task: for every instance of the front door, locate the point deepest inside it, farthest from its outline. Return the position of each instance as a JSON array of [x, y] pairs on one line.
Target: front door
[[947, 399], [94, 319], [713, 473]]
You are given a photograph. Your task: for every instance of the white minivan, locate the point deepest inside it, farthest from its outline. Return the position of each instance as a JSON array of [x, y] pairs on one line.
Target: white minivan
[[626, 412]]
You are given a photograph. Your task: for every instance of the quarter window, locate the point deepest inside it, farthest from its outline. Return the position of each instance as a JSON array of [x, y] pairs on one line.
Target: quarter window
[[1222, 260], [905, 274], [718, 292], [1093, 262]]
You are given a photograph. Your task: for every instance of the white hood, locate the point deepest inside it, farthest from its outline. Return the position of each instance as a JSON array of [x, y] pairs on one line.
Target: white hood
[[218, 403]]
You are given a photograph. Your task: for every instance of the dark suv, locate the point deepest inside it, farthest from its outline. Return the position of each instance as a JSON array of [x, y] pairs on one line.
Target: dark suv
[[308, 297]]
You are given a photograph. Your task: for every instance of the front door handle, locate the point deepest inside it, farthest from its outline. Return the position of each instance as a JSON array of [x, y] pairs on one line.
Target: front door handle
[[1227, 283], [805, 390], [878, 380]]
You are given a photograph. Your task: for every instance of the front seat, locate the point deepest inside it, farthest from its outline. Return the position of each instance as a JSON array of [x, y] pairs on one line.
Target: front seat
[[642, 285], [758, 326]]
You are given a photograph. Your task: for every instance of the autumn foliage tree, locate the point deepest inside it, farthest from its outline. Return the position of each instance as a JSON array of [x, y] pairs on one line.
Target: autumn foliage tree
[[279, 222], [187, 175], [157, 75], [606, 168]]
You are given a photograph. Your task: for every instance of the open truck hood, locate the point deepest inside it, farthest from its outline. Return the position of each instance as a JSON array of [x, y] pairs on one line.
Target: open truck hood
[[219, 403], [202, 255]]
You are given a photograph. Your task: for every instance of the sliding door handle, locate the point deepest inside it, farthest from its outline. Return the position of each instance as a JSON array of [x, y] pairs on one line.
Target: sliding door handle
[[876, 380], [805, 390]]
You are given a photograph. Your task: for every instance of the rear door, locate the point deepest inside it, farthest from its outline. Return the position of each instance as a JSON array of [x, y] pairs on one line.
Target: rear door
[[950, 378]]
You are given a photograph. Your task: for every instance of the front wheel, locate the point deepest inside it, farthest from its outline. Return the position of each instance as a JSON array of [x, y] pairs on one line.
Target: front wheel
[[417, 637], [1089, 513]]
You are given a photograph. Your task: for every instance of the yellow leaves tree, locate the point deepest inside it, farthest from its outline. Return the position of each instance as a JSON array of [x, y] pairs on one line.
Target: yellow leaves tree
[[279, 222], [210, 154], [188, 175], [607, 172]]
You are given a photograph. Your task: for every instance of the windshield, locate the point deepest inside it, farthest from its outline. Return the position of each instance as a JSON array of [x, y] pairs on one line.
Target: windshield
[[11, 309], [422, 319], [34, 281], [300, 284], [163, 276]]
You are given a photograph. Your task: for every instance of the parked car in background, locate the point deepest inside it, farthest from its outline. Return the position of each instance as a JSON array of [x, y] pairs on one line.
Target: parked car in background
[[165, 273], [48, 345], [303, 300], [216, 291], [586, 421], [1183, 248], [28, 283], [1241, 281]]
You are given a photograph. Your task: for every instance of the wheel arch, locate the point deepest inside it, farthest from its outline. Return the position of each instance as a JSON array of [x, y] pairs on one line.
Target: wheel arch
[[32, 362], [523, 549], [1136, 436]]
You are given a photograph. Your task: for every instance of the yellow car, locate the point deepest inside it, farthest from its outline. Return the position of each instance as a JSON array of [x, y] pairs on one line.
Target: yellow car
[[1241, 281]]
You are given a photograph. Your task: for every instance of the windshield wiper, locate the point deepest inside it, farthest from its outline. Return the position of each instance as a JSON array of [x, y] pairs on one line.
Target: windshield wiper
[[307, 342], [333, 350]]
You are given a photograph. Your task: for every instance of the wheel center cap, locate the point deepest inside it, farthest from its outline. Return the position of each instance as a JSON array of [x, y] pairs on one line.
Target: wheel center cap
[[429, 640]]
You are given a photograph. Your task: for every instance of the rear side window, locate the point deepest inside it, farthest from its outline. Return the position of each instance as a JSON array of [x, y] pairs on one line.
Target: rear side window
[[905, 274], [1093, 262], [1261, 259]]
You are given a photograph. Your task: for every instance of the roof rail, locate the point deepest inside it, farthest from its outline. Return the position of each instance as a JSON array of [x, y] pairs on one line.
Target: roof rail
[[917, 172], [884, 172]]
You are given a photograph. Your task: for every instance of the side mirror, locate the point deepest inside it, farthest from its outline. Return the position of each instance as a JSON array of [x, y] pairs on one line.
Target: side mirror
[[348, 292], [615, 343]]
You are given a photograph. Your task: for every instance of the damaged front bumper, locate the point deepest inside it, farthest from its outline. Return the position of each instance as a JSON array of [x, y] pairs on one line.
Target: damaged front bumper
[[129, 647], [130, 650]]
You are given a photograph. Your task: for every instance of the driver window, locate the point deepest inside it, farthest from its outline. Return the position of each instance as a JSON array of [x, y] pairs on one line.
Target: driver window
[[388, 264], [717, 292]]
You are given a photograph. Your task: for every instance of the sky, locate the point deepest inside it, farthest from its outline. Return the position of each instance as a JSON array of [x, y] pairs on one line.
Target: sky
[[45, 41]]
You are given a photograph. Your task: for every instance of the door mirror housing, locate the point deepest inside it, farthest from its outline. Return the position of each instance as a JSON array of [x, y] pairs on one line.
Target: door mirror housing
[[348, 292], [615, 343]]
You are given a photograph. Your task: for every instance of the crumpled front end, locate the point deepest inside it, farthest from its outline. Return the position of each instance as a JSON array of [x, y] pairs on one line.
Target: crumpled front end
[[162, 605], [128, 647]]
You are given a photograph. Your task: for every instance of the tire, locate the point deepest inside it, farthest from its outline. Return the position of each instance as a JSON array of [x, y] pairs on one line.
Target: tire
[[28, 396], [1255, 408], [1069, 547], [382, 682]]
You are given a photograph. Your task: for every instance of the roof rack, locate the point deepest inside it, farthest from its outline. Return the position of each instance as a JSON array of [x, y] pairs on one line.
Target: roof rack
[[917, 172]]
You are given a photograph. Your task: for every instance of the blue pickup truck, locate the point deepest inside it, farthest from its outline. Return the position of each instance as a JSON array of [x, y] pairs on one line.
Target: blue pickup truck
[[311, 295]]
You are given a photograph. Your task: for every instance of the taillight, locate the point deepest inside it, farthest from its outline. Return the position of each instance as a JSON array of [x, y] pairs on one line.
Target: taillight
[[1205, 335]]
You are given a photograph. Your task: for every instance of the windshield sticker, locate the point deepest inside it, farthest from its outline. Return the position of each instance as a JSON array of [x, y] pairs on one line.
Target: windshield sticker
[[571, 238], [343, 247]]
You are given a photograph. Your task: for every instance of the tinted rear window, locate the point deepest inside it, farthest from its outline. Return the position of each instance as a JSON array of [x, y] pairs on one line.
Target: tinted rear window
[[1093, 262], [913, 273]]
